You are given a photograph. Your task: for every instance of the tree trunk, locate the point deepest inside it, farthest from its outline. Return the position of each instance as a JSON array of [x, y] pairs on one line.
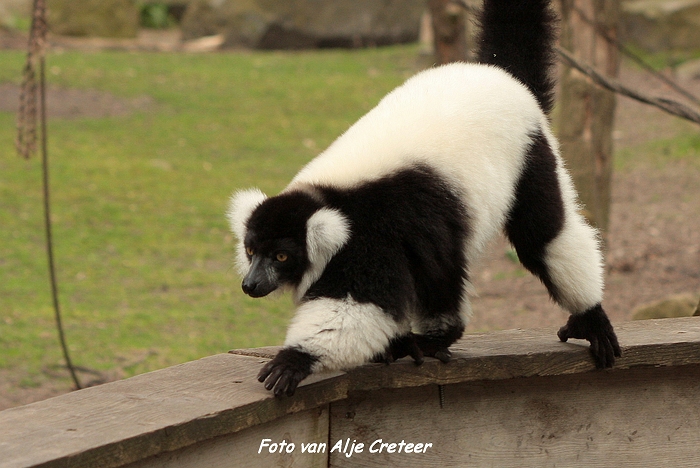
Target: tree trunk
[[586, 112], [449, 31]]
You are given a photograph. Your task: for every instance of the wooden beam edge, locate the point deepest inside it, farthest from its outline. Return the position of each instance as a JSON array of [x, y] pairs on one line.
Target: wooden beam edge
[[526, 353], [206, 427]]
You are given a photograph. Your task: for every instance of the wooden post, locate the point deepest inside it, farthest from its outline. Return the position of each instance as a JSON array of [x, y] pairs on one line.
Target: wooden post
[[586, 112], [449, 31]]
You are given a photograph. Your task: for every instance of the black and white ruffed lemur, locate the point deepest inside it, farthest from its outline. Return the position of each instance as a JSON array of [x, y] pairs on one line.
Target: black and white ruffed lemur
[[377, 235]]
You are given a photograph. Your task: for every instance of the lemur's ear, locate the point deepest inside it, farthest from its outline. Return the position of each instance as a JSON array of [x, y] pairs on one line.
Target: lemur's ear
[[327, 231], [241, 206]]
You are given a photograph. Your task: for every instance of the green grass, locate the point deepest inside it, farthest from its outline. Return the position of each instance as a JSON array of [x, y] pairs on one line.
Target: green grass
[[663, 59], [143, 251], [657, 153]]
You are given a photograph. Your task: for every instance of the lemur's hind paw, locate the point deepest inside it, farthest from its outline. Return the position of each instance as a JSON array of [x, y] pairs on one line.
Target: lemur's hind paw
[[401, 346], [594, 326], [437, 344], [443, 355]]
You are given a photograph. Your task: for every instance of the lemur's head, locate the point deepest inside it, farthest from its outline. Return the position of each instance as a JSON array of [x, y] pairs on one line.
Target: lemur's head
[[286, 240]]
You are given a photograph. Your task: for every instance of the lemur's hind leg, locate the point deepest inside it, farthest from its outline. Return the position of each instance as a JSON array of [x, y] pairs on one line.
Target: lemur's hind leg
[[555, 243]]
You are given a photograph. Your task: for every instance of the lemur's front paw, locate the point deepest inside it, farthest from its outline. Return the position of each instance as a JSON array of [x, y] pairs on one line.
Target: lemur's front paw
[[401, 346], [594, 326], [283, 374]]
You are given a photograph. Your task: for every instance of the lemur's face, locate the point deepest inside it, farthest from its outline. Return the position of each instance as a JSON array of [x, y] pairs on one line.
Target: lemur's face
[[273, 263], [286, 240]]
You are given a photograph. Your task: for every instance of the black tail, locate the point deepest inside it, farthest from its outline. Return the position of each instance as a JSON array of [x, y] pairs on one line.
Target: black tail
[[518, 36]]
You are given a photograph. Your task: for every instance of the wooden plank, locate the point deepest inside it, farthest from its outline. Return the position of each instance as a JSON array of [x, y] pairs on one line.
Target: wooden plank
[[631, 418], [166, 410], [125, 421], [525, 353], [245, 448], [265, 352]]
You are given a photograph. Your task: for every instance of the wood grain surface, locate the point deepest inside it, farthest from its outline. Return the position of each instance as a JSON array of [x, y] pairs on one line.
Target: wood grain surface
[[633, 418]]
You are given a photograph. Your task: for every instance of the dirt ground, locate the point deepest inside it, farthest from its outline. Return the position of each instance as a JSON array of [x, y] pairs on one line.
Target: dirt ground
[[654, 239]]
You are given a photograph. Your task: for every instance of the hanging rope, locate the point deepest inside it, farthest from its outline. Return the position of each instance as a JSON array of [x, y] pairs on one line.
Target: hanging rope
[[27, 115], [29, 112]]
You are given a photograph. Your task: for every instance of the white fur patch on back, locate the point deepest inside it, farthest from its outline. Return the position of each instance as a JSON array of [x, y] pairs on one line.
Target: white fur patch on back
[[327, 231], [241, 206], [341, 333]]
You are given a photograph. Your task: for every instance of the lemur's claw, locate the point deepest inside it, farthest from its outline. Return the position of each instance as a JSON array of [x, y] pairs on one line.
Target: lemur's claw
[[283, 374]]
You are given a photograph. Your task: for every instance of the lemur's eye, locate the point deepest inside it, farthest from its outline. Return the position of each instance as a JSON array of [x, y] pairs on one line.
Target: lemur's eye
[[282, 257], [249, 251]]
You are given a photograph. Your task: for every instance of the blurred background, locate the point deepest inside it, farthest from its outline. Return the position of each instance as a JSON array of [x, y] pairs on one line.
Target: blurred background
[[158, 111]]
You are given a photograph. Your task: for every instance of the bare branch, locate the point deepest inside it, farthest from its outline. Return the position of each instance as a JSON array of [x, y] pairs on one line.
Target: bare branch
[[672, 107]]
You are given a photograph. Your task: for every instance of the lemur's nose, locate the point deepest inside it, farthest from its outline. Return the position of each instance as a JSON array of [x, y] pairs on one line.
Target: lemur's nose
[[249, 286]]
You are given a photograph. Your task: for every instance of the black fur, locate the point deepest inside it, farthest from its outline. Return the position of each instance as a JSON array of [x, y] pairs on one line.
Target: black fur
[[286, 370], [537, 216], [406, 251], [284, 218], [279, 225], [594, 326], [518, 36]]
